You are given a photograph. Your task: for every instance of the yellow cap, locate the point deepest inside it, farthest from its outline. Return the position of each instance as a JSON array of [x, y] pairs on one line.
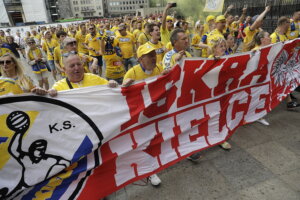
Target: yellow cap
[[220, 18], [144, 49], [210, 17], [169, 18]]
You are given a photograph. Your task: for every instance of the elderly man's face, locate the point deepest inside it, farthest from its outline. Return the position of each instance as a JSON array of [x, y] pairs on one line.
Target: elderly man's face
[[74, 68]]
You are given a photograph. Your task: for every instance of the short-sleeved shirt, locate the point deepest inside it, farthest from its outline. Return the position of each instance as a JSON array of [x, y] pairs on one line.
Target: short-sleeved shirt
[[114, 66], [88, 80], [93, 42], [49, 46], [165, 36], [136, 33], [169, 58], [276, 37], [126, 44], [80, 38], [249, 35], [138, 73], [143, 38]]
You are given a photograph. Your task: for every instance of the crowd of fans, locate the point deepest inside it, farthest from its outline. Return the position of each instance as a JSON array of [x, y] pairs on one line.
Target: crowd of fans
[[119, 51]]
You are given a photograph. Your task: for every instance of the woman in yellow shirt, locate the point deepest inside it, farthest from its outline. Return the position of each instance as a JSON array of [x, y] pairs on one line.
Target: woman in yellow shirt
[[37, 59], [11, 69]]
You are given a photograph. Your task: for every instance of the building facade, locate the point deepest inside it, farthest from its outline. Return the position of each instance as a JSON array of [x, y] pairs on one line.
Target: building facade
[[278, 8], [27, 12], [87, 8], [123, 7]]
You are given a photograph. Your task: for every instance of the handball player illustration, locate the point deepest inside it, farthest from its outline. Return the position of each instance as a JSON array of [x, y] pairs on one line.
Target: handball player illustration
[[34, 161]]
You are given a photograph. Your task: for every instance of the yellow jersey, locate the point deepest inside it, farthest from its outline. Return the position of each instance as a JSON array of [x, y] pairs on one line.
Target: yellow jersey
[[277, 37], [114, 66], [88, 80], [138, 73], [126, 44], [9, 86], [143, 38], [49, 46], [80, 39], [136, 33], [165, 36], [249, 35], [93, 42]]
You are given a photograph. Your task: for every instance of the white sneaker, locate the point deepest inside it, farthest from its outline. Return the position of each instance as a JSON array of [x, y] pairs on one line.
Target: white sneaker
[[263, 121], [155, 180]]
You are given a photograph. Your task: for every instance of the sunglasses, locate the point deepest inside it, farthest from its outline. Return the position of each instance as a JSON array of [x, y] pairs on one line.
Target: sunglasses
[[31, 43], [3, 62], [91, 28], [72, 43], [169, 21], [69, 54]]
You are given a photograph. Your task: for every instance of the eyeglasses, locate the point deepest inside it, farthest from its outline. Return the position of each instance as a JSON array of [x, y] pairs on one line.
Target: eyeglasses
[[3, 62], [72, 43], [169, 21], [31, 43]]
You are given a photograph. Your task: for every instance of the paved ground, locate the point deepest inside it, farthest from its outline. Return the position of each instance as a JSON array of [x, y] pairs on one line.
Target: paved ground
[[264, 164]]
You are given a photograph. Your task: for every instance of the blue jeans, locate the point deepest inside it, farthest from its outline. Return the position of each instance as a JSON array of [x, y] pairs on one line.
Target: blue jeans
[[129, 61]]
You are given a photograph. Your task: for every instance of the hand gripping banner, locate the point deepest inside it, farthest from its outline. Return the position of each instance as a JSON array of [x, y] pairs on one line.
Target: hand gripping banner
[[87, 143]]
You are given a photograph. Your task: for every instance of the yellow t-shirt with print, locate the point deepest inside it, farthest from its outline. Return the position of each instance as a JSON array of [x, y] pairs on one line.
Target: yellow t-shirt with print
[[137, 73], [276, 37], [169, 58], [93, 42], [88, 80], [249, 35], [9, 86], [126, 44], [160, 52], [114, 66], [214, 35], [143, 38], [49, 46], [80, 38], [294, 30], [165, 36]]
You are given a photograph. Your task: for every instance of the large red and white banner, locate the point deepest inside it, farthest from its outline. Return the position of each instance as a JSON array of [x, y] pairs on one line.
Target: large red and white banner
[[90, 142]]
